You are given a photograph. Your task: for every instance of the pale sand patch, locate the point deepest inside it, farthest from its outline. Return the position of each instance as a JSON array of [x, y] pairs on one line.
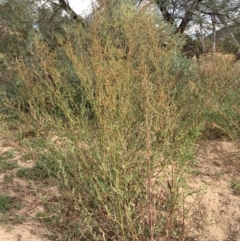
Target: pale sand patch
[[29, 231], [219, 208], [29, 195]]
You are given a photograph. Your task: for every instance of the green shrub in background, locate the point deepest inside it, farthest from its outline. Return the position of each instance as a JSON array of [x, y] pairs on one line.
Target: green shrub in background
[[220, 87], [126, 108]]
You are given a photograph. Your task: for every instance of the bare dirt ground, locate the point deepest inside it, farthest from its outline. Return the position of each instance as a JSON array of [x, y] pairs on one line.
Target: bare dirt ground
[[217, 211], [20, 224]]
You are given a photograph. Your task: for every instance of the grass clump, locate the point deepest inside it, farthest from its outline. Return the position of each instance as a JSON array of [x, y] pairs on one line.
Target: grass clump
[[6, 155], [235, 185], [7, 203], [6, 163], [35, 173], [126, 110]]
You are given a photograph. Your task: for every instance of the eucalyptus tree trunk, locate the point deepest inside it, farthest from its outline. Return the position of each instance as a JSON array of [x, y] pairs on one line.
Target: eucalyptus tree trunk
[[214, 21], [201, 37]]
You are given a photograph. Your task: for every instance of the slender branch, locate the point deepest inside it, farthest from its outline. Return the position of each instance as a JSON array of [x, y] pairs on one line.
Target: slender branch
[[188, 16], [166, 15], [65, 6], [185, 20]]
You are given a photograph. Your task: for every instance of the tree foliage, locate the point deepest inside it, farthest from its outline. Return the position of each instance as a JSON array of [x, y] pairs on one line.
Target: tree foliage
[[207, 16], [16, 27]]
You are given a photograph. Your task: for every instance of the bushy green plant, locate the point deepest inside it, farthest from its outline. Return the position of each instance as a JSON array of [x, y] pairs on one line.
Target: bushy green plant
[[126, 109], [220, 87]]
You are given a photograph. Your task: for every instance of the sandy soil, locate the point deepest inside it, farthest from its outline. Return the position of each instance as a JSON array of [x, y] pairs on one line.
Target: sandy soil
[[28, 228], [29, 231], [217, 211]]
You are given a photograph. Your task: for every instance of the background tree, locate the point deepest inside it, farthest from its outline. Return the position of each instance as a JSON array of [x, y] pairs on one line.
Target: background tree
[[16, 26], [21, 21], [16, 34], [206, 15]]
